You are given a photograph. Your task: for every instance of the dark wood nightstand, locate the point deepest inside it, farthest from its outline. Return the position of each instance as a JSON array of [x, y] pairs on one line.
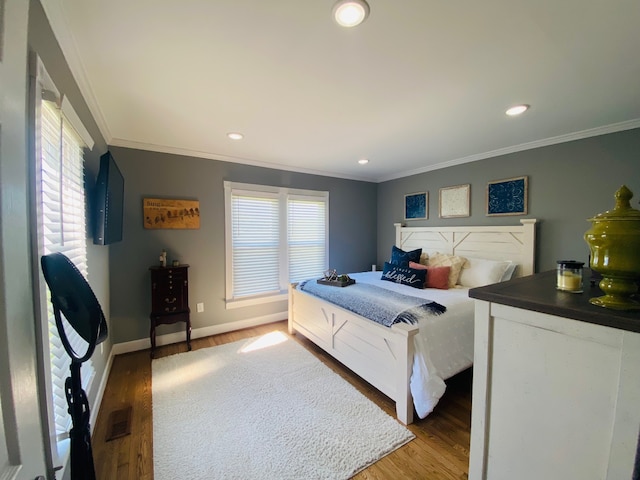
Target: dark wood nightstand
[[169, 299]]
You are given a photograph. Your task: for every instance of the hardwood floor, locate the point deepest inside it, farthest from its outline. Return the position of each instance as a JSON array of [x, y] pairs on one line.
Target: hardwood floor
[[439, 451]]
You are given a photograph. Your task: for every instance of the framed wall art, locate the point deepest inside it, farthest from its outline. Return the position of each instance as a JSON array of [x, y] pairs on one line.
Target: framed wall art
[[507, 197], [416, 206], [169, 213], [454, 201]]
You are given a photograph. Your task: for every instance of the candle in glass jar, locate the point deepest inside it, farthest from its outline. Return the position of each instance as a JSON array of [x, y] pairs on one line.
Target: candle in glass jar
[[569, 276]]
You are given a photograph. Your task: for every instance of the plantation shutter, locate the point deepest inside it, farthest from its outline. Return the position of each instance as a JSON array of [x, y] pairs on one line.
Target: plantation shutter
[[255, 243], [61, 228], [306, 237]]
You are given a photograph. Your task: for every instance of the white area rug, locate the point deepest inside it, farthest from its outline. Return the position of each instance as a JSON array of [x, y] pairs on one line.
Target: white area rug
[[263, 408]]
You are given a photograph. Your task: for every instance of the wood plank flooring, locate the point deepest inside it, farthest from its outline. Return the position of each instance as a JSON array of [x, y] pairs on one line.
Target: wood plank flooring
[[439, 451]]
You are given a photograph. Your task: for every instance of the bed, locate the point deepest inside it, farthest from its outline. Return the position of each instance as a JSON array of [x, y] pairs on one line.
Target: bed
[[410, 362]]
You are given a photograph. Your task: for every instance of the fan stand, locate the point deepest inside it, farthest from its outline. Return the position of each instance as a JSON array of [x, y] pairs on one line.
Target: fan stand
[[81, 452], [82, 467], [72, 297]]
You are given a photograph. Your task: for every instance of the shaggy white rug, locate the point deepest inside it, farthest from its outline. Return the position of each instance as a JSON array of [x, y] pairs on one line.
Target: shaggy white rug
[[263, 408]]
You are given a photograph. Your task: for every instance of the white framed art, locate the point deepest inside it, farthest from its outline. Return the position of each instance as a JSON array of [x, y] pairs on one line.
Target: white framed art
[[454, 201]]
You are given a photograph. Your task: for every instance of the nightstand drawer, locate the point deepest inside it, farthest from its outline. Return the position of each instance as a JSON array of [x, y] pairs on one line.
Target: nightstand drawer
[[169, 302]]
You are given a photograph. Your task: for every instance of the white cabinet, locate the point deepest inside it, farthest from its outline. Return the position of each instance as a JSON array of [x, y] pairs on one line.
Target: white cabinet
[[553, 397]]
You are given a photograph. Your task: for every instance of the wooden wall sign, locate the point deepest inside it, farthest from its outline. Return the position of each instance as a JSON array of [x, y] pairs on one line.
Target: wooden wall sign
[[169, 213]]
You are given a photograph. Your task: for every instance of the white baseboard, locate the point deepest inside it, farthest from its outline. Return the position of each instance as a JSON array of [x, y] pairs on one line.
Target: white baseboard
[[169, 338], [101, 388]]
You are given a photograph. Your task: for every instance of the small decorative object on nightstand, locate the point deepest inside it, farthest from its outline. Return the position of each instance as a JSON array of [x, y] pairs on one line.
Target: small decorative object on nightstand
[[569, 276], [163, 258], [169, 300]]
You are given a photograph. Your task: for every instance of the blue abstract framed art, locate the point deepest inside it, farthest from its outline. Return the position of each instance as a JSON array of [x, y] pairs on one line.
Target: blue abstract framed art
[[507, 197], [416, 206]]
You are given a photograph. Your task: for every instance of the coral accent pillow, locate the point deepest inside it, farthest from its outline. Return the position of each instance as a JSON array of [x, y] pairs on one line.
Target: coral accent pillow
[[437, 277], [444, 260]]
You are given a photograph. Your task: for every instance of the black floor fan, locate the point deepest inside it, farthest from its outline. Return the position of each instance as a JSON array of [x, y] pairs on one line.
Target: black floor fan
[[72, 297]]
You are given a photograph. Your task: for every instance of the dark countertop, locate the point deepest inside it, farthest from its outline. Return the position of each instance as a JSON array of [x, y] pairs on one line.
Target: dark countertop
[[538, 293]]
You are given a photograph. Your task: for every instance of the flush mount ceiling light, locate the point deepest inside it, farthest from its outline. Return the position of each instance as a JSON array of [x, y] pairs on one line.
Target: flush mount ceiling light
[[349, 13], [235, 136], [517, 110], [363, 161]]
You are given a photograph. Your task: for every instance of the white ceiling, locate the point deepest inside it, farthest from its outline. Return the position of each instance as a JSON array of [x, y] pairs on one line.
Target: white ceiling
[[420, 85]]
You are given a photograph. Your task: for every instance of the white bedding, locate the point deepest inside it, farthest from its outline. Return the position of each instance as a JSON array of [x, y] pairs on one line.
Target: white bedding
[[444, 345]]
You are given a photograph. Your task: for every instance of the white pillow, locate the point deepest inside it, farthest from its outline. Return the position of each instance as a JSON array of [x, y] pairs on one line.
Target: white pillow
[[482, 272]]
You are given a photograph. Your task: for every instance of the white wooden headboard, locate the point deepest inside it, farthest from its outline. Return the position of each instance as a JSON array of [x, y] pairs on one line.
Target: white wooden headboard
[[515, 243]]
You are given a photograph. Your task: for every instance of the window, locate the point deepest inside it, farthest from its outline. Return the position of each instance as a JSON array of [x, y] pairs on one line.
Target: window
[[306, 237], [59, 210], [274, 236], [61, 228]]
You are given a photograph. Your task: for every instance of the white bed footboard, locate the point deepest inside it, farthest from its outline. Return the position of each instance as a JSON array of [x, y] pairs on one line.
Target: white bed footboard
[[381, 355]]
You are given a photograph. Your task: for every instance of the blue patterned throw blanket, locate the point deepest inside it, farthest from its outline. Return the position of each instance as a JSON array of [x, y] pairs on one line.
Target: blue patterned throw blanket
[[383, 306]]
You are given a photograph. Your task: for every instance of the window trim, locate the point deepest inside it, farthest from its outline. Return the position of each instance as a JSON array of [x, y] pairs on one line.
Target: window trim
[[283, 194]]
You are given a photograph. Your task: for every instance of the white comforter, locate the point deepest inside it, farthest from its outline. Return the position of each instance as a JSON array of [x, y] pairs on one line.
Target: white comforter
[[444, 345]]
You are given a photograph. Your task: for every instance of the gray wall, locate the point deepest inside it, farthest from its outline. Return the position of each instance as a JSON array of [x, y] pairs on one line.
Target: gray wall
[[352, 234], [568, 183]]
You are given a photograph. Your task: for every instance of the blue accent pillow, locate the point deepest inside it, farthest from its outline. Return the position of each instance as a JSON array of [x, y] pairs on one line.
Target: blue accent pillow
[[402, 258], [404, 275]]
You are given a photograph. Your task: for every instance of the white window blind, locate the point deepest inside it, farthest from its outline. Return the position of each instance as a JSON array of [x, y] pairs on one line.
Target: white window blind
[[61, 228], [255, 239], [307, 239], [274, 236]]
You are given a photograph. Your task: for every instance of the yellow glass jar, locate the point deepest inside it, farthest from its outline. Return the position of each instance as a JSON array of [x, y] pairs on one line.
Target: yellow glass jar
[[614, 244]]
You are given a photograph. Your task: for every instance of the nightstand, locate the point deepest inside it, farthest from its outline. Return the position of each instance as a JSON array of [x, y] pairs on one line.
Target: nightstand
[[169, 300]]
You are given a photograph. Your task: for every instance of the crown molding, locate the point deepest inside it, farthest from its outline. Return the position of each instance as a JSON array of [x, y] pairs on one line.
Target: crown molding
[[570, 137], [119, 142], [592, 132]]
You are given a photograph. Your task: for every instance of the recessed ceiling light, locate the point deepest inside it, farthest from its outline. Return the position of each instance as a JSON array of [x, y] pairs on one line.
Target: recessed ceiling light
[[235, 136], [363, 161], [517, 110], [349, 13]]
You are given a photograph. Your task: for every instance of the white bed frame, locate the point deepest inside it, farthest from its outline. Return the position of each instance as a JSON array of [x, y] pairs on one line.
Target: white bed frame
[[384, 356]]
